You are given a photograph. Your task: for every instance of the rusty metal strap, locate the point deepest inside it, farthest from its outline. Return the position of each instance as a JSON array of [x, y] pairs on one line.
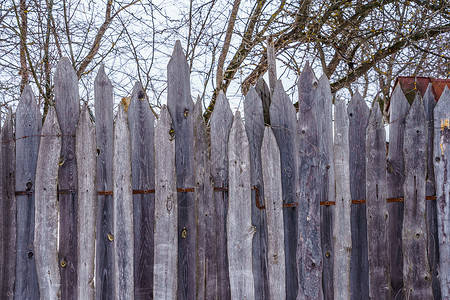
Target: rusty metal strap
[[327, 203], [152, 191], [67, 192], [293, 204], [22, 193]]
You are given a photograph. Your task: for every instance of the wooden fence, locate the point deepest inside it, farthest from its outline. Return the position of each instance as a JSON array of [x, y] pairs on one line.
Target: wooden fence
[[269, 208]]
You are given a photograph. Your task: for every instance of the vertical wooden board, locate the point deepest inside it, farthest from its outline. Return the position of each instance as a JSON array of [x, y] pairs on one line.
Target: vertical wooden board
[[377, 216], [28, 128], [441, 169], [165, 228], [271, 65], [309, 253], [180, 106], [141, 120], [240, 230], [399, 108], [358, 114], [342, 239], [265, 95], [9, 208], [86, 155], [430, 206], [284, 123], [46, 208], [123, 209], [67, 110], [103, 92], [416, 270], [271, 168], [221, 120], [254, 127]]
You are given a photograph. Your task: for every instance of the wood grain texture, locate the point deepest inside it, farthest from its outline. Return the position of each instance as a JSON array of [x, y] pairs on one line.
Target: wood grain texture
[[67, 110], [28, 128], [399, 108], [166, 235], [123, 209], [377, 216], [416, 271], [341, 227], [103, 92], [180, 105], [358, 114], [9, 209], [221, 121], [271, 168], [141, 121], [271, 65], [254, 127], [265, 95], [46, 208], [240, 230], [86, 155], [441, 169], [309, 254]]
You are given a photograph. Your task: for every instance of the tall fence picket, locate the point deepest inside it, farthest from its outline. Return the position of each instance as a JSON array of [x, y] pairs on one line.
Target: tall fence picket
[[46, 208], [28, 128], [166, 236], [358, 113], [103, 92], [271, 168], [254, 127], [266, 97], [441, 169], [86, 155]]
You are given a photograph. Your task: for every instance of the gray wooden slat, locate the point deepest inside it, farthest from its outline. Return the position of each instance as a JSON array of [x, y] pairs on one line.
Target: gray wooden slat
[[165, 228], [103, 92], [416, 271], [86, 155], [240, 230], [180, 106], [9, 208], [429, 103], [441, 168], [271, 65], [284, 123], [67, 110], [28, 128], [309, 253], [46, 209], [271, 168], [221, 120], [377, 216], [254, 127], [141, 120], [341, 227], [123, 209], [358, 113], [399, 108], [265, 95]]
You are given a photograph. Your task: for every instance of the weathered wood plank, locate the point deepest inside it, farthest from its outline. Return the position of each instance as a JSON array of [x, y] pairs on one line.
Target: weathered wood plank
[[103, 92], [46, 208], [416, 271], [358, 113], [123, 209], [377, 216], [399, 108], [430, 206], [265, 95], [271, 65], [86, 155], [141, 120], [240, 230], [9, 209], [341, 227], [309, 253], [166, 236], [441, 168], [221, 121], [67, 110], [284, 123], [180, 105], [271, 168], [28, 129], [254, 127]]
